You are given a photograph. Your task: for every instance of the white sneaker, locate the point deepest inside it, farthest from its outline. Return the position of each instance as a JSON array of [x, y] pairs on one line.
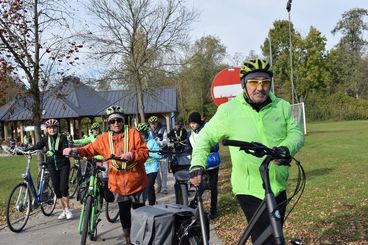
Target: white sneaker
[[69, 214], [62, 215]]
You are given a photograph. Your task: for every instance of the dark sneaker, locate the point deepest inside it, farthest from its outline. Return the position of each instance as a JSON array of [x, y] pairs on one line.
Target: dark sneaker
[[164, 192]]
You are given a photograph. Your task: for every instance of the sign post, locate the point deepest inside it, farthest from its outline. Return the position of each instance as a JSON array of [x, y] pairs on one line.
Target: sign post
[[226, 85]]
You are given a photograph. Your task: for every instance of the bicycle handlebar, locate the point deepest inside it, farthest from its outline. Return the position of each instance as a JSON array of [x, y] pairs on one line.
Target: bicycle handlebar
[[112, 157], [17, 150], [257, 149], [170, 151]]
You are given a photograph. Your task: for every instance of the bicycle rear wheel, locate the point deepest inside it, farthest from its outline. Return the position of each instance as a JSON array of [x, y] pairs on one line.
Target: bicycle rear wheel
[[86, 219], [73, 181], [48, 199], [18, 207], [112, 211]]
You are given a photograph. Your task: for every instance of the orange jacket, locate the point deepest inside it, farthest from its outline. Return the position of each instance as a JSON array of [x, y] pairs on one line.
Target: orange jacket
[[122, 182]]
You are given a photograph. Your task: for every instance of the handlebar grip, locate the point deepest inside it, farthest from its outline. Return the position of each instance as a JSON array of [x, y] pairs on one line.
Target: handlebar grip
[[74, 155], [237, 143]]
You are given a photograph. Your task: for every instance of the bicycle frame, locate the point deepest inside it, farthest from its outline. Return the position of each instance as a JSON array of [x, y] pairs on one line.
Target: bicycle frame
[[93, 191], [36, 193], [198, 215], [269, 204]]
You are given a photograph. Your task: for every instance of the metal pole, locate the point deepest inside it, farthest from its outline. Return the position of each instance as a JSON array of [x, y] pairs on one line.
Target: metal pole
[[288, 8], [273, 80]]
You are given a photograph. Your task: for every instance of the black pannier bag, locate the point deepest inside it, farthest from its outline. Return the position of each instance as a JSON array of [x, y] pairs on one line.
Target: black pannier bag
[[158, 224], [181, 161]]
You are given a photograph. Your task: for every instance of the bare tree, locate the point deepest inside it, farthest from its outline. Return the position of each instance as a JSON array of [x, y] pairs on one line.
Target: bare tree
[[141, 37], [31, 48]]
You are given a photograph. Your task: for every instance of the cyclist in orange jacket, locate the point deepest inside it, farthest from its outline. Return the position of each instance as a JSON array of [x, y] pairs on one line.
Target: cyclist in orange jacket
[[126, 179]]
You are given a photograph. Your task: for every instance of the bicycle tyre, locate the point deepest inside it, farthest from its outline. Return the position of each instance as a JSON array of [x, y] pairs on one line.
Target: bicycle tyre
[[86, 219], [14, 210], [112, 211], [73, 181], [48, 199]]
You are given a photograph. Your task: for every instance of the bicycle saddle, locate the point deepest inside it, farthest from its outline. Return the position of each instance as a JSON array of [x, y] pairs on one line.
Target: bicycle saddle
[[182, 175]]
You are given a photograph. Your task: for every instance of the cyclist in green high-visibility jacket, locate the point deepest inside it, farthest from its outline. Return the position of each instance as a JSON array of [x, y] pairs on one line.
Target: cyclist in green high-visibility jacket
[[96, 130], [257, 115]]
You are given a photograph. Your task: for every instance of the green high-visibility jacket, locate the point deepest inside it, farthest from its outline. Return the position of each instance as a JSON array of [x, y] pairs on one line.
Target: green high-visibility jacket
[[86, 140], [272, 126]]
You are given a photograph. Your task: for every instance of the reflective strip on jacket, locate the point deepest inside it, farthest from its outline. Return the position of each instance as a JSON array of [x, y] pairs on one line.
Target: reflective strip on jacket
[[272, 126], [122, 182]]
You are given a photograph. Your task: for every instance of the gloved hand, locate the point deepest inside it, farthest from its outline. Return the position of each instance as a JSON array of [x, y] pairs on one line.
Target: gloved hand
[[69, 151], [50, 153], [284, 153], [129, 156], [196, 175]]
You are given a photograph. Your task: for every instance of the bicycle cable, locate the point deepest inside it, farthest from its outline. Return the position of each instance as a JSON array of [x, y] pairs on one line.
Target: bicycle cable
[[299, 188]]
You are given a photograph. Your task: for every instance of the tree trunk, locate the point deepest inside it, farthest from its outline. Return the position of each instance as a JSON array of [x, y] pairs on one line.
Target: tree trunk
[[140, 103]]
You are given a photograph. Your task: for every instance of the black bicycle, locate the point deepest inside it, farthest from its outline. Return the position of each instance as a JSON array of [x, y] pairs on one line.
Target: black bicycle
[[171, 223], [78, 176], [179, 157], [269, 203]]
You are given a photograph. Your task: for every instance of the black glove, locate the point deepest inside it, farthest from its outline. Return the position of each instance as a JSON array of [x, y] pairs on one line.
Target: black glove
[[196, 171], [282, 155]]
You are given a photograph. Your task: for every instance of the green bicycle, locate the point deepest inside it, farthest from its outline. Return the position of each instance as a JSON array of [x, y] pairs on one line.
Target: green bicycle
[[92, 202]]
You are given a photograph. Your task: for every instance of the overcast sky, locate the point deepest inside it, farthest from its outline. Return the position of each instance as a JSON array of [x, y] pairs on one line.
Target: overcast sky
[[242, 25]]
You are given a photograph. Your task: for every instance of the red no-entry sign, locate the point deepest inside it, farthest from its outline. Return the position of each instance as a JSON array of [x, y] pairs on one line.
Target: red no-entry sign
[[226, 85]]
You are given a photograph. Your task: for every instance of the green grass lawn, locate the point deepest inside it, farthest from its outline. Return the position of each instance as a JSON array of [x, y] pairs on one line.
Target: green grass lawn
[[11, 169], [334, 206]]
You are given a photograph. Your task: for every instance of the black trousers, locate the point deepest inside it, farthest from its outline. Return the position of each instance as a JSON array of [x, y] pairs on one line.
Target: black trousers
[[125, 212], [213, 179], [60, 181], [249, 205], [149, 191]]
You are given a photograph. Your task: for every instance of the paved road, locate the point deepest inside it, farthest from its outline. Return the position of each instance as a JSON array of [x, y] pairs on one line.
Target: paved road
[[42, 230]]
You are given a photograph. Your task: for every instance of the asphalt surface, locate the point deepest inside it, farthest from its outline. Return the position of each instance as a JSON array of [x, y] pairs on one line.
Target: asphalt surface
[[42, 230]]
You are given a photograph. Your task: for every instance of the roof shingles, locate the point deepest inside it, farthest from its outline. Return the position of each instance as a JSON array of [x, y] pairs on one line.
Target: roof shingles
[[74, 99]]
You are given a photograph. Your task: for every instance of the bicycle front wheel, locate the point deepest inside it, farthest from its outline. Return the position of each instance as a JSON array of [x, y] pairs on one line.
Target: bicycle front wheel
[[86, 219], [18, 207], [73, 181], [48, 199], [112, 211]]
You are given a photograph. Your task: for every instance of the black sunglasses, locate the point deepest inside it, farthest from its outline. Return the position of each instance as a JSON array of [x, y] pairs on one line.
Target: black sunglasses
[[118, 120]]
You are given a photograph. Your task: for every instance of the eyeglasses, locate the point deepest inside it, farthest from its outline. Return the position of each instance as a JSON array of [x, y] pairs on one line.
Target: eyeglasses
[[254, 83], [118, 120]]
